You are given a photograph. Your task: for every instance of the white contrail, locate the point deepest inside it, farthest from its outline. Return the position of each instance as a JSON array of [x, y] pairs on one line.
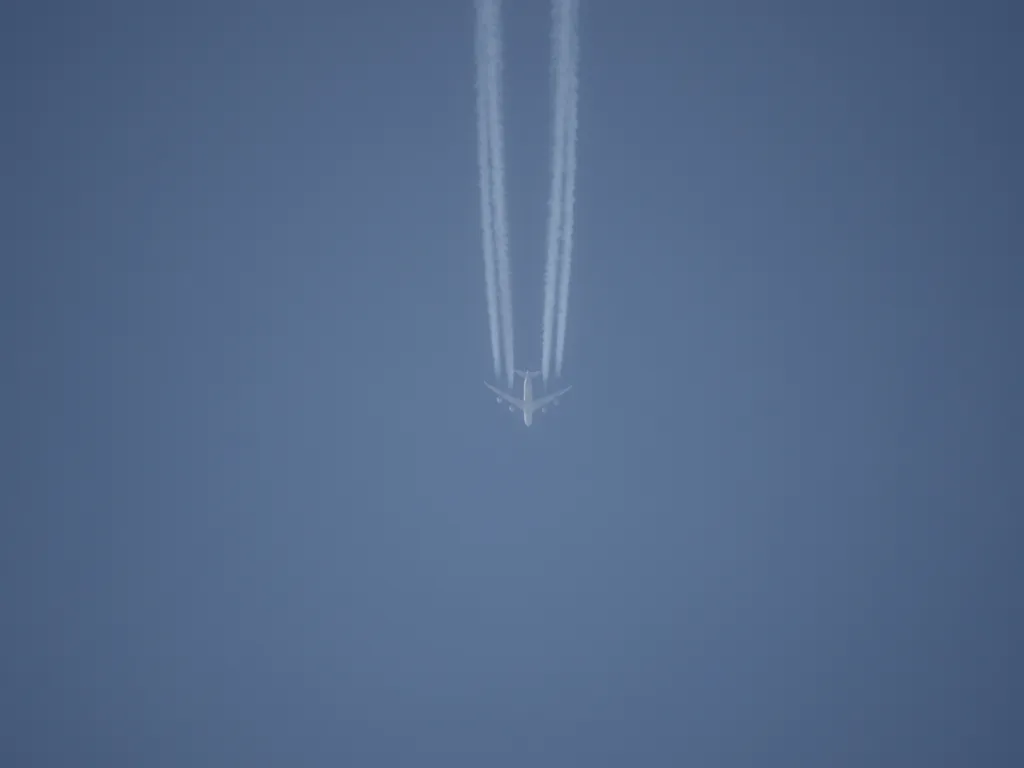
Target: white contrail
[[570, 64], [564, 57], [496, 144], [491, 158], [484, 162], [558, 44]]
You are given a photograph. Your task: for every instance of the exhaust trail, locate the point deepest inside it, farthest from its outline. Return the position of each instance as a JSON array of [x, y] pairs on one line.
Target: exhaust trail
[[558, 29], [564, 44], [484, 163], [491, 157], [570, 64], [496, 144]]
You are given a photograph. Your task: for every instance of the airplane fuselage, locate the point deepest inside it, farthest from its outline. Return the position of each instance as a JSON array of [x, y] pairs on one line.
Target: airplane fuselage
[[527, 397]]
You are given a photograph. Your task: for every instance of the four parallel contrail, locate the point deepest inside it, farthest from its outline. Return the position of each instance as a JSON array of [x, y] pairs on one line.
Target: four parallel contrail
[[564, 65], [491, 158]]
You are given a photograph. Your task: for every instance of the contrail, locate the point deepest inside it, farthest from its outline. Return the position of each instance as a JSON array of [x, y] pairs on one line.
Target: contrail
[[484, 162], [570, 64], [492, 179], [491, 159], [564, 44], [558, 30], [497, 148]]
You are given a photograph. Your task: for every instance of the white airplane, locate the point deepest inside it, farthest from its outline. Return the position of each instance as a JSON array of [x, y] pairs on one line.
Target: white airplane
[[528, 405]]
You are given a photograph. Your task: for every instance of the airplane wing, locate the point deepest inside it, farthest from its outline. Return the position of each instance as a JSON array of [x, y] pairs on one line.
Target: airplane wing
[[540, 402], [507, 397]]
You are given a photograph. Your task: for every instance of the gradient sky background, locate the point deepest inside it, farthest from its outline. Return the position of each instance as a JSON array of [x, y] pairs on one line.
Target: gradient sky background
[[262, 510]]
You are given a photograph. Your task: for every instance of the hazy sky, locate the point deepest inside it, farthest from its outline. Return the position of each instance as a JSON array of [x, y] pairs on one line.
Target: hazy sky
[[260, 509]]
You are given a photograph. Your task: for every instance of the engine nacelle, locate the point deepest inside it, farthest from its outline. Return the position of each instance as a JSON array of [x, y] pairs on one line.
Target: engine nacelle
[[511, 409], [497, 399]]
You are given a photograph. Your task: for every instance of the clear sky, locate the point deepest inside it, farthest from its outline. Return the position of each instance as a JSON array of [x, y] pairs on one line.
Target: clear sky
[[260, 509]]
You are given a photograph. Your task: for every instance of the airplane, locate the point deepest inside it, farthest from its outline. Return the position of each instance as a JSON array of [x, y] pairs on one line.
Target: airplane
[[528, 405]]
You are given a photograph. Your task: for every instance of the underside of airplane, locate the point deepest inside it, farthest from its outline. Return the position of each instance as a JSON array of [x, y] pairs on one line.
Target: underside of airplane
[[528, 405]]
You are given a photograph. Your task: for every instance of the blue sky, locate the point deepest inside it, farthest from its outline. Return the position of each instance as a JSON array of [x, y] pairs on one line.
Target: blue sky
[[263, 511]]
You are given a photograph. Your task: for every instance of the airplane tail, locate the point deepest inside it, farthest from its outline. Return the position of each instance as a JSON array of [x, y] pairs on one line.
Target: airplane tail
[[528, 374]]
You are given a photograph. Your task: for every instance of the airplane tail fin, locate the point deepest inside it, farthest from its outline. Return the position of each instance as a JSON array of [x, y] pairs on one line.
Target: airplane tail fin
[[528, 374]]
